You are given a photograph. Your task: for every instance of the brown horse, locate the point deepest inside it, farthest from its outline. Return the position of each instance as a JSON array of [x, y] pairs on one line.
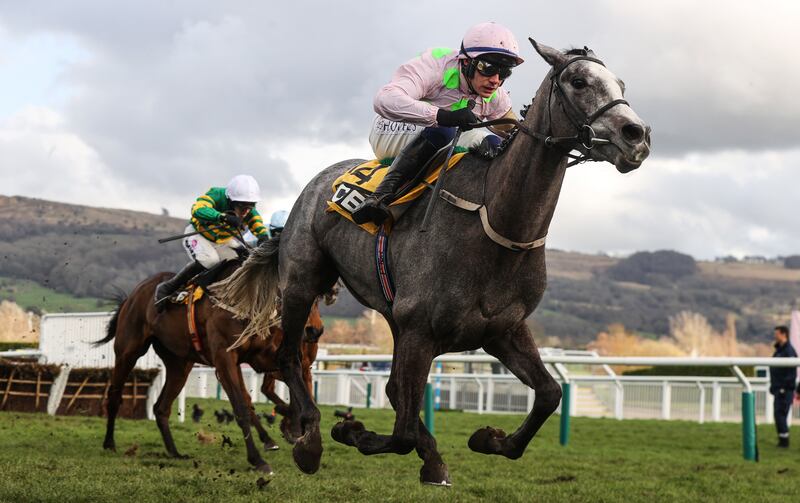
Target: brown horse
[[137, 324]]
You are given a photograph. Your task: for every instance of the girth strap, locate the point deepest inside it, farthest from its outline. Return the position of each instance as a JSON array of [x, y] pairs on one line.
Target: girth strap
[[382, 265], [487, 227], [191, 322]]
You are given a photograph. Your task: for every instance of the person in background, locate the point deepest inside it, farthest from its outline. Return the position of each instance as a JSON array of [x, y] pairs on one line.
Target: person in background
[[782, 384], [277, 222]]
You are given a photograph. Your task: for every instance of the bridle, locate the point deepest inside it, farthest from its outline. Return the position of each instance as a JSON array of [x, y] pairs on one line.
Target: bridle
[[585, 135]]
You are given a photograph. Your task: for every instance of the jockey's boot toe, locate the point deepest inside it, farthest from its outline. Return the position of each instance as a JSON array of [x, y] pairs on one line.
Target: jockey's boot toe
[[371, 210], [165, 289]]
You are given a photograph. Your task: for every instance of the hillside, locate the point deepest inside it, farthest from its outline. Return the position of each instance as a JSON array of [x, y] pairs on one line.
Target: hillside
[[94, 252], [83, 251], [585, 295], [35, 298]]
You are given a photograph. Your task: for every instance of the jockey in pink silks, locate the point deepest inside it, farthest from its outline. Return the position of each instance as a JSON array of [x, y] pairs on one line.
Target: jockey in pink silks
[[429, 97]]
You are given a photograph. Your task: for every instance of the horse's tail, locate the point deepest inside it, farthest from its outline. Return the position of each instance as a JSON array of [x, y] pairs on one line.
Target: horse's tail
[[111, 329], [251, 292]]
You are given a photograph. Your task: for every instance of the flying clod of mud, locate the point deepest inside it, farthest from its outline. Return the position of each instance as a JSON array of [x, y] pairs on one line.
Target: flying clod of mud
[[206, 438]]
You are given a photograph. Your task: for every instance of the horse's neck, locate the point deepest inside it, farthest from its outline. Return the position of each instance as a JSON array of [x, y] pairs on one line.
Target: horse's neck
[[523, 184]]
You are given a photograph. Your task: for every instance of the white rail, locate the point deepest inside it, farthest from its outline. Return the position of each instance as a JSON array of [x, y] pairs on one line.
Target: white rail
[[638, 361]]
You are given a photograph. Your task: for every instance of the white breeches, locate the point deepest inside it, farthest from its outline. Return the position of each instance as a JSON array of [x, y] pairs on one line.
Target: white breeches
[[388, 138], [207, 252]]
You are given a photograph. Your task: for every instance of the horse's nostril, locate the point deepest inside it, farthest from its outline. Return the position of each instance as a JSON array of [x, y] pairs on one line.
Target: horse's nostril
[[633, 133]]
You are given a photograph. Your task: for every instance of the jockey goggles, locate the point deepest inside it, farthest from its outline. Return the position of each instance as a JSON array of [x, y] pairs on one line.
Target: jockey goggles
[[488, 69], [245, 205]]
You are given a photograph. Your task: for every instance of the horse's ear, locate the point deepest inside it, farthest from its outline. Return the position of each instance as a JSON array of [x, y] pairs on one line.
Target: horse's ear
[[554, 57]]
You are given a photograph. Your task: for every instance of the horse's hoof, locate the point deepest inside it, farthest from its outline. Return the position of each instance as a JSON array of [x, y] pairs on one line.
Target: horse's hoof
[[307, 452], [271, 446], [435, 474], [444, 483], [110, 447], [341, 431], [264, 468], [487, 441]]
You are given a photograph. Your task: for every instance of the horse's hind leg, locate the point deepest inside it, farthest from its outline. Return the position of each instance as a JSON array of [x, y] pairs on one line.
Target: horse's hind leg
[[127, 350], [123, 364], [518, 352], [177, 372]]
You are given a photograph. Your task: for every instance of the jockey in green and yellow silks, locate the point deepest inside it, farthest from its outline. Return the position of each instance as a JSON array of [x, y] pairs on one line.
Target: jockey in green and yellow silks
[[219, 217]]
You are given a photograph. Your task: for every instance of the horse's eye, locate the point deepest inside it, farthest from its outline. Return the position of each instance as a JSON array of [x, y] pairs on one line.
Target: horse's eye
[[578, 83]]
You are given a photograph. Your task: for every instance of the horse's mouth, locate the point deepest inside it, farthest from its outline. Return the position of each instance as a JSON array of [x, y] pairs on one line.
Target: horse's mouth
[[625, 165], [627, 160]]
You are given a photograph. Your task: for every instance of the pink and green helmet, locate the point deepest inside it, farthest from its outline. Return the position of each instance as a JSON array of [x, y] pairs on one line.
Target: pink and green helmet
[[490, 38]]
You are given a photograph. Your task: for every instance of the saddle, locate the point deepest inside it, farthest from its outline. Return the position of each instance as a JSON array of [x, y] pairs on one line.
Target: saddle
[[352, 187], [190, 294]]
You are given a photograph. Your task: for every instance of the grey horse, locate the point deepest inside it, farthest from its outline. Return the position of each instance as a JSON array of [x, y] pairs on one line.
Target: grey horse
[[469, 282]]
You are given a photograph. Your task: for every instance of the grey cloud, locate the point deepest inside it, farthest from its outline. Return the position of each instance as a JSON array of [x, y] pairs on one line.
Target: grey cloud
[[706, 205], [706, 77], [185, 93]]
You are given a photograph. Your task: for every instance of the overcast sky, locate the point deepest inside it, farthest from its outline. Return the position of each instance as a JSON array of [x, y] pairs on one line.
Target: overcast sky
[[146, 104]]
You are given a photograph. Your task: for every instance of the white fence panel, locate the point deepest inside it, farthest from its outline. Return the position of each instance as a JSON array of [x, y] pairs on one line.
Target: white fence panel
[[66, 339]]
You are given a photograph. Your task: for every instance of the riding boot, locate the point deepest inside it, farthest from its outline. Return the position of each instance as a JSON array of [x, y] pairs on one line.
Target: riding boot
[[167, 288], [405, 167]]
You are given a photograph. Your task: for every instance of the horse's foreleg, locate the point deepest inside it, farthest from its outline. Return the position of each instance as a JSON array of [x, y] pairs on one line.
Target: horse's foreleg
[[289, 429], [411, 363], [268, 388], [434, 470], [230, 376], [177, 373], [517, 351]]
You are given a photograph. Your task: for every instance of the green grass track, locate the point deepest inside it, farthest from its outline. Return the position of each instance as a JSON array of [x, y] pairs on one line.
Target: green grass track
[[60, 459]]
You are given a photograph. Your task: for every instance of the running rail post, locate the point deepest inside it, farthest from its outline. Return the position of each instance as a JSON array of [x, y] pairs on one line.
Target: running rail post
[[566, 403], [749, 447], [429, 407], [369, 394]]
